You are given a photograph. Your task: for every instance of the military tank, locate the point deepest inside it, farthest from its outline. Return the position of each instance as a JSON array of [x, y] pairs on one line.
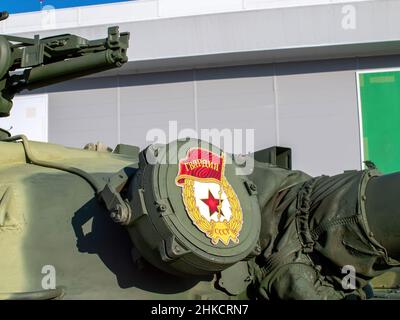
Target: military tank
[[178, 221]]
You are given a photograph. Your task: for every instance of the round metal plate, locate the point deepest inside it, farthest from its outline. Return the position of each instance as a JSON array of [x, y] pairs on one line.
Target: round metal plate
[[205, 214]]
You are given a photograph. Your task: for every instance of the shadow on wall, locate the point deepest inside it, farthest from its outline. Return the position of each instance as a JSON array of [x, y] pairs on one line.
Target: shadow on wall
[[229, 72]]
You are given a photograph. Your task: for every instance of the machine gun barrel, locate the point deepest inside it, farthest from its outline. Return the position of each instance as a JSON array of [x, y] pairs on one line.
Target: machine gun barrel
[[34, 63], [69, 69]]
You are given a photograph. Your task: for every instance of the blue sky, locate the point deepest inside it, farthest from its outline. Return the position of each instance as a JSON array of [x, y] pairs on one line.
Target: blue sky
[[17, 6]]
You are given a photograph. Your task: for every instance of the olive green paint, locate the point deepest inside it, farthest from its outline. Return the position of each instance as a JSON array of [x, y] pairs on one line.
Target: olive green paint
[[53, 218]]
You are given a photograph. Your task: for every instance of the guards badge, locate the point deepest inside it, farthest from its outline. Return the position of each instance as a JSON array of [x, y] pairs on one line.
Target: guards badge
[[209, 199]]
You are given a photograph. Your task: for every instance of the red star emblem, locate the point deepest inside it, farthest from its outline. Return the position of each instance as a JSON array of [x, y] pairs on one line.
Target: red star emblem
[[212, 203]]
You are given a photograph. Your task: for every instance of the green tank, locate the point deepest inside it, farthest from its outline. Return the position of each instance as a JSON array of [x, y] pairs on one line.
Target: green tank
[[178, 221]]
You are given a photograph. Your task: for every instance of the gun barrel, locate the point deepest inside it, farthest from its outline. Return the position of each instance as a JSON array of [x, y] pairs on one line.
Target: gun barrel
[[69, 69], [53, 60], [383, 211]]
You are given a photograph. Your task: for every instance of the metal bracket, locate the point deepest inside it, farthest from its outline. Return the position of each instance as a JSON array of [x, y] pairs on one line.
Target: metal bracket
[[170, 249], [120, 210], [235, 279], [279, 156], [250, 187]]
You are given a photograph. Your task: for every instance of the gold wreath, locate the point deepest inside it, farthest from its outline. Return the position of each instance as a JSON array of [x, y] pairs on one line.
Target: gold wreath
[[234, 224]]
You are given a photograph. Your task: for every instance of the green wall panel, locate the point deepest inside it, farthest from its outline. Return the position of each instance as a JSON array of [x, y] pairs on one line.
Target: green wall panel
[[380, 109]]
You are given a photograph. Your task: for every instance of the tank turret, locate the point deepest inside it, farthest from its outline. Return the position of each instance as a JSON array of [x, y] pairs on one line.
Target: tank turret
[[182, 220]]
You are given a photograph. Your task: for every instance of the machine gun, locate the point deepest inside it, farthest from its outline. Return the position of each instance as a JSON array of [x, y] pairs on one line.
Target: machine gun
[[34, 63]]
